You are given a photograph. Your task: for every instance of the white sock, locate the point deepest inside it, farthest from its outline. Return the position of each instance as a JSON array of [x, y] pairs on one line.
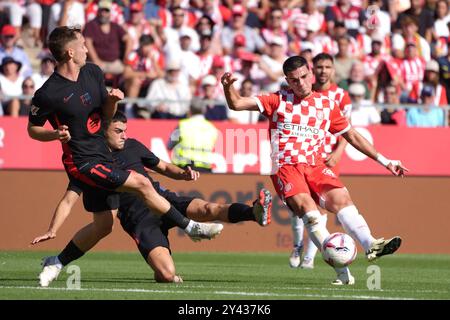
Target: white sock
[[311, 249], [189, 226], [297, 230], [342, 270], [356, 226], [317, 231]]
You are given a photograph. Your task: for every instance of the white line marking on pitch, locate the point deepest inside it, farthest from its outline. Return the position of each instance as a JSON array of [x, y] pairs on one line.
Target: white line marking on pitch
[[256, 294]]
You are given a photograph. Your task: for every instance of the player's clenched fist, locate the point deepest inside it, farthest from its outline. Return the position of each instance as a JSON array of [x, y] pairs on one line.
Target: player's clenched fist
[[228, 79], [116, 94], [63, 134]]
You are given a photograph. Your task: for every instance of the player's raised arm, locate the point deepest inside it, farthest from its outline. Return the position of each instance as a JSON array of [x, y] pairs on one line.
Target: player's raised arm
[[361, 143], [234, 100], [62, 211]]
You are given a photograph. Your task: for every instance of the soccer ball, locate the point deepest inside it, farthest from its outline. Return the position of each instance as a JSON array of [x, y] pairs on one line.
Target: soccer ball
[[339, 250]]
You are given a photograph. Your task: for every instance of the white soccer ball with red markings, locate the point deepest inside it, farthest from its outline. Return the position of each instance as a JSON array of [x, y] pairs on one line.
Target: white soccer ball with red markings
[[339, 250]]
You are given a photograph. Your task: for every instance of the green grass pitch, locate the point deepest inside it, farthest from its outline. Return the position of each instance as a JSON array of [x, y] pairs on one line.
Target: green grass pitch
[[223, 276]]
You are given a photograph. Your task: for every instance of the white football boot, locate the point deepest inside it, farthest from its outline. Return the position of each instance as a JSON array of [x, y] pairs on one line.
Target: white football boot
[[381, 247], [202, 231], [50, 271], [295, 257]]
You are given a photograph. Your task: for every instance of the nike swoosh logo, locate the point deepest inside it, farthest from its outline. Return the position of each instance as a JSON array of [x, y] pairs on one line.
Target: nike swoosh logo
[[68, 98]]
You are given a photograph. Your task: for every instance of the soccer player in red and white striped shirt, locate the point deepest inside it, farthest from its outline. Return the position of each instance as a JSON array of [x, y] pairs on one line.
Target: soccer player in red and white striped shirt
[[332, 150], [299, 119]]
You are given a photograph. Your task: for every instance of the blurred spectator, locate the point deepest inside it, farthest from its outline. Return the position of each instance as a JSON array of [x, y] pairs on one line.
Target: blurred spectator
[[104, 40], [137, 26], [214, 109], [205, 27], [190, 62], [378, 21], [413, 69], [193, 140], [205, 54], [309, 16], [8, 47], [429, 115], [142, 66], [356, 76], [422, 16], [343, 60], [66, 13], [390, 115], [169, 97], [409, 35], [33, 12], [48, 64], [441, 30], [93, 7], [245, 117], [28, 89], [11, 85], [272, 65], [363, 112], [253, 40], [172, 33], [444, 70], [274, 29], [344, 11], [431, 78]]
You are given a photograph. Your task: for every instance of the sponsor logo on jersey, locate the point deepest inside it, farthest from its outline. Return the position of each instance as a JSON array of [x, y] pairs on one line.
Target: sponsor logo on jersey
[[86, 99], [66, 99], [34, 110], [292, 129]]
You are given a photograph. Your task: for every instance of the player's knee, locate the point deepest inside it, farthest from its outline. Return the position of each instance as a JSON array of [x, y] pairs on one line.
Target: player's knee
[[339, 203], [104, 228], [210, 209]]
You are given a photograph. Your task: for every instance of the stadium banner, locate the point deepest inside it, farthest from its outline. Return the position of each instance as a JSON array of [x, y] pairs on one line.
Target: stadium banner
[[245, 148], [391, 205]]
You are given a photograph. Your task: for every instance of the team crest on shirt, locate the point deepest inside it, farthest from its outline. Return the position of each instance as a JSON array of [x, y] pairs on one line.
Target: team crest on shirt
[[320, 115], [328, 172], [86, 99], [34, 110]]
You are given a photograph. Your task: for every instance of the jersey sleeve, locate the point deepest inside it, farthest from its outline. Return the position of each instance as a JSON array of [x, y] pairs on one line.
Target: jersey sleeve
[[267, 104], [346, 105], [41, 108], [339, 123], [148, 158]]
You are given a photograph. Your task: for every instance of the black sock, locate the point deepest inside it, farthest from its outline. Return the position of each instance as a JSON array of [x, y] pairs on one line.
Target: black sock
[[70, 253], [175, 216], [240, 212]]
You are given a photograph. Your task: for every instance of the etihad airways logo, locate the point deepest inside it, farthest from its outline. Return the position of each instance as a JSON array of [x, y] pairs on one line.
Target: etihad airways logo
[[298, 130]]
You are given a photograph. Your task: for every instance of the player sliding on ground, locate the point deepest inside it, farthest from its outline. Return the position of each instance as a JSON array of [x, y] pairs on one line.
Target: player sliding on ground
[[299, 119], [148, 229]]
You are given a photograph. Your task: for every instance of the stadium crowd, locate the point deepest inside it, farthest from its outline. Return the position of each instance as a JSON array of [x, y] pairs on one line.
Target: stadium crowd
[[167, 52]]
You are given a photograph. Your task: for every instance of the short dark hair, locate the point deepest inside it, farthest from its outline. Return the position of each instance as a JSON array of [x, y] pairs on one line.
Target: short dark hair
[[58, 40], [293, 63], [119, 116], [322, 56], [145, 40]]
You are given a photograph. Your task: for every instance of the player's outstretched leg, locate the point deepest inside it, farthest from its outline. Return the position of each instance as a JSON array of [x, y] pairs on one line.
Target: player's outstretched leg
[[297, 233], [262, 208], [51, 267]]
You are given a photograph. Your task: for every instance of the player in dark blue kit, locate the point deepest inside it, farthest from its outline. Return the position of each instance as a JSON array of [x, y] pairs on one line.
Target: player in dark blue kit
[[147, 229], [75, 100]]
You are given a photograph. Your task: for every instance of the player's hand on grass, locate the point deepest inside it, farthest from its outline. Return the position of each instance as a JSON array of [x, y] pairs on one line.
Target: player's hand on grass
[[63, 134], [227, 79], [47, 236], [191, 175], [397, 169]]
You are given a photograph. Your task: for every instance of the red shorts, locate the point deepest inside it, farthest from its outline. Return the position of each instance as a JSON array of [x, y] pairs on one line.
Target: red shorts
[[303, 178]]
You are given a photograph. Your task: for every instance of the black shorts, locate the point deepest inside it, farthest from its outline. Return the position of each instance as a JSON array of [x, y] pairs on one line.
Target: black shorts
[[151, 230], [98, 182]]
